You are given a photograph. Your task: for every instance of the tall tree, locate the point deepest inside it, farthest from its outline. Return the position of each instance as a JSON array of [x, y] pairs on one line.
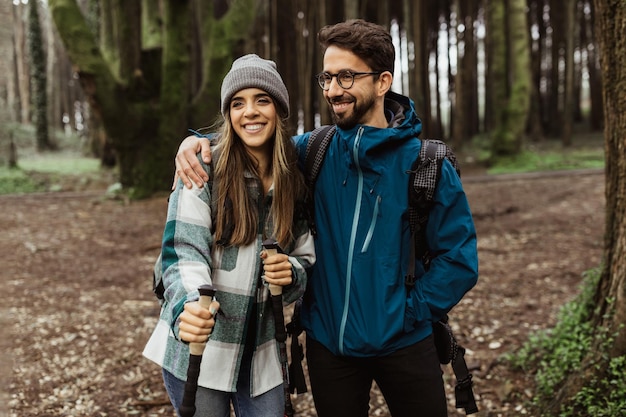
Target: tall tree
[[538, 48], [351, 9], [568, 60], [510, 58], [466, 91], [593, 67], [609, 316], [39, 77], [21, 62], [554, 96], [147, 102], [7, 86], [418, 68]]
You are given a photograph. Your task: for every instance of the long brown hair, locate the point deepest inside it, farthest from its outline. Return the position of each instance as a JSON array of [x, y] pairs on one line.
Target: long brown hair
[[237, 212]]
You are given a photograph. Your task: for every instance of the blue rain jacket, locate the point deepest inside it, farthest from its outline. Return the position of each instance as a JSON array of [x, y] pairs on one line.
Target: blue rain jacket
[[356, 303]]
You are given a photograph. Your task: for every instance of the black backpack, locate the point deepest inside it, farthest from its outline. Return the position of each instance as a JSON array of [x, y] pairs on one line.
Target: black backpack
[[424, 176]]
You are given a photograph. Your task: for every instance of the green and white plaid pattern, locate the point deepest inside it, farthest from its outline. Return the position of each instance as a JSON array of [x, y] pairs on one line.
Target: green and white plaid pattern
[[190, 259]]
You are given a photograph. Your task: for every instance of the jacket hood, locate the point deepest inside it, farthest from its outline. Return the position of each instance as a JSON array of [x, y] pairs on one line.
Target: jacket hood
[[401, 116], [403, 125]]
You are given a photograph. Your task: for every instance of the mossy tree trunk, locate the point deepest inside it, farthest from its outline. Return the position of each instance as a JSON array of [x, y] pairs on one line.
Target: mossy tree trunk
[[611, 293], [511, 75], [145, 99], [610, 296], [223, 27]]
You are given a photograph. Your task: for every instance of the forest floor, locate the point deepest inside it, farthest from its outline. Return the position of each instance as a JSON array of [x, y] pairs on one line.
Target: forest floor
[[78, 307]]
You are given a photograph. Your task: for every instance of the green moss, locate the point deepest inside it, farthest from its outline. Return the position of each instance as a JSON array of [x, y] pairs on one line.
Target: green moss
[[530, 161], [553, 355], [16, 181]]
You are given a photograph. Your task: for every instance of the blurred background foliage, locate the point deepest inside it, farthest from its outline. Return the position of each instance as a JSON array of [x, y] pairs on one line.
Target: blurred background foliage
[[512, 85]]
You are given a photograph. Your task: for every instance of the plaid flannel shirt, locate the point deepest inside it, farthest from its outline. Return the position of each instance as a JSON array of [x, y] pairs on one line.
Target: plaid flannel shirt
[[190, 259]]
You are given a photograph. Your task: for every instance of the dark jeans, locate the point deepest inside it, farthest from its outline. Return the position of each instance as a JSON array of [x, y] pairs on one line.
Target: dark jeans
[[410, 380]]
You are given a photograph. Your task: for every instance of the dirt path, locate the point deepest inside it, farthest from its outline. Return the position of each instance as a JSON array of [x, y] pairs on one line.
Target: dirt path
[[78, 309]]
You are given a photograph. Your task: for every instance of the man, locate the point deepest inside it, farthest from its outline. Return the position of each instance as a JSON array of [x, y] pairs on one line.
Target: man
[[361, 321]]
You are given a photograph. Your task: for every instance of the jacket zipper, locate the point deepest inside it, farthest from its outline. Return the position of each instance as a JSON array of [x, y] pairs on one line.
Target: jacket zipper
[[355, 223], [370, 232]]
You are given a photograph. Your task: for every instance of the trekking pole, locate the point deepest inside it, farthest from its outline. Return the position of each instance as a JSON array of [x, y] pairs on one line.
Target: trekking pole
[[188, 406], [276, 293]]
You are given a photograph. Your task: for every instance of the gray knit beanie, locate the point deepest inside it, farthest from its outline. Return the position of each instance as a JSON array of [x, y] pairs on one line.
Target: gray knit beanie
[[251, 71]]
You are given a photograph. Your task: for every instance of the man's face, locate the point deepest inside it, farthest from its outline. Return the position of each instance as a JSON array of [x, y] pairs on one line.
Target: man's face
[[354, 105]]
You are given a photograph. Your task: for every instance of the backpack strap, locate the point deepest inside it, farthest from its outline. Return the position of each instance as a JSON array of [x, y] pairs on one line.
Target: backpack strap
[[314, 155], [463, 390], [424, 177], [316, 151], [422, 192]]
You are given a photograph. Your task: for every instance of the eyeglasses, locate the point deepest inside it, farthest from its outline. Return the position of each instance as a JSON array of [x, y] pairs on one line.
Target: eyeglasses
[[345, 78]]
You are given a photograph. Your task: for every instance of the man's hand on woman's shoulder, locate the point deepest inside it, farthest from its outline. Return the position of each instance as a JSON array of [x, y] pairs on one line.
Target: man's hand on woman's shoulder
[[188, 168]]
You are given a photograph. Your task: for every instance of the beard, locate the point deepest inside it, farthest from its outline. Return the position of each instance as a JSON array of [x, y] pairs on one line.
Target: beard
[[349, 119]]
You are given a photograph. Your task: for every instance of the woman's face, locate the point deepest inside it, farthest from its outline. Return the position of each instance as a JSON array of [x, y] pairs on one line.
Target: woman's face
[[253, 116]]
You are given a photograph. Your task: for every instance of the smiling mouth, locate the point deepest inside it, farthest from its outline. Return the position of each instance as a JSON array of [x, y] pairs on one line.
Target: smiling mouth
[[341, 106], [253, 128]]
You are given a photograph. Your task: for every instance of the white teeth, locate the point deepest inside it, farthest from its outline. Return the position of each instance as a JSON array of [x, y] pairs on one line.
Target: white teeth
[[253, 128]]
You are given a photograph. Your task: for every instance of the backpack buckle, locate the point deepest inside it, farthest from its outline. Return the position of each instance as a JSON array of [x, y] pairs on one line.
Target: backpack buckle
[[409, 281]]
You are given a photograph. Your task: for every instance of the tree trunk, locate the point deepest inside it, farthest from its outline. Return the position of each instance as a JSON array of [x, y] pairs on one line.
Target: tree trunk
[[466, 112], [490, 81], [301, 83], [128, 18], [39, 78], [53, 71], [326, 15], [555, 105], [595, 82], [497, 66], [351, 9], [535, 116], [568, 85], [418, 69], [145, 103], [21, 62], [471, 68], [610, 23], [109, 98], [513, 96], [610, 296], [151, 24], [221, 33], [174, 94], [106, 35], [7, 85]]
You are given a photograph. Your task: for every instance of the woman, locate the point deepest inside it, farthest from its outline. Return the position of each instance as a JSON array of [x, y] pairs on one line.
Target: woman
[[213, 236]]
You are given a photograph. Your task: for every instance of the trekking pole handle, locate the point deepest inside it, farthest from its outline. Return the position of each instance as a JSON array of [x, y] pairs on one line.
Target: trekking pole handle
[[206, 298], [272, 248], [276, 291], [188, 405]]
